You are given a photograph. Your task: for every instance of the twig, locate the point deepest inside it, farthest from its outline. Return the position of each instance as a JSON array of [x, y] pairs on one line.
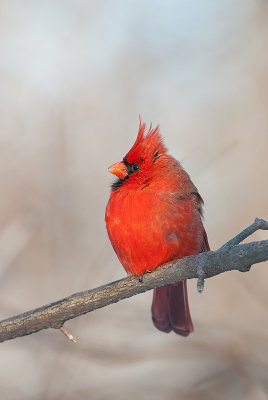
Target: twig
[[236, 257], [68, 334], [257, 224]]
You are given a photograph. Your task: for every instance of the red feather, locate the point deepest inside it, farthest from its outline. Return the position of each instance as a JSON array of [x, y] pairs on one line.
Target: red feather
[[154, 216]]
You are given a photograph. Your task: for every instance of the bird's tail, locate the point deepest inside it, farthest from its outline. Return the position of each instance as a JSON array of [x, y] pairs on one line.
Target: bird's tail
[[170, 309]]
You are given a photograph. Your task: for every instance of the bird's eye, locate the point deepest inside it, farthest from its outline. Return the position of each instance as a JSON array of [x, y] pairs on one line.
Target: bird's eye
[[131, 167], [135, 167]]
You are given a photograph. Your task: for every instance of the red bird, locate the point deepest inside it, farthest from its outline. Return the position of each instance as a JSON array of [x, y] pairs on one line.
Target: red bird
[[154, 215]]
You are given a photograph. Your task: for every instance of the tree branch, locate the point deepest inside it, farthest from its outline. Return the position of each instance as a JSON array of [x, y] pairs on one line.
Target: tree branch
[[257, 224], [229, 257]]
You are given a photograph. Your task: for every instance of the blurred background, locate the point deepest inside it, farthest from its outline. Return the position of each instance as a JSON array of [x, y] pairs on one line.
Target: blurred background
[[74, 77]]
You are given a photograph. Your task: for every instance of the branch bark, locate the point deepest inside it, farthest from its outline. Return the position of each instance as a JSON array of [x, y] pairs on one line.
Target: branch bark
[[229, 257]]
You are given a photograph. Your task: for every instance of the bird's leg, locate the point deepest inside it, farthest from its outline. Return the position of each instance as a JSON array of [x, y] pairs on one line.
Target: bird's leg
[[140, 278]]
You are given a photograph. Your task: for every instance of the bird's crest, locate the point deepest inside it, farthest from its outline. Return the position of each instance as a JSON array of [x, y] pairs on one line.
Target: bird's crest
[[147, 145]]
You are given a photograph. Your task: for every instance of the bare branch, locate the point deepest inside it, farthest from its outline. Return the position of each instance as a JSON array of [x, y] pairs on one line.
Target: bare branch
[[257, 224], [68, 334], [202, 266]]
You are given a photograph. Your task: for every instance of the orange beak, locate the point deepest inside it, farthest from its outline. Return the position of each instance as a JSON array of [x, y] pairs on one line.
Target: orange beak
[[119, 169]]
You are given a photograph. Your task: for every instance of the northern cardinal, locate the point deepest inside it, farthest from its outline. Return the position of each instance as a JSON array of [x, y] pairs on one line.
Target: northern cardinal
[[154, 215]]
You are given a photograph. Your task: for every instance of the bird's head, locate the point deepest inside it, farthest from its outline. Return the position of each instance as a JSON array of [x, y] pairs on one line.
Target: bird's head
[[142, 161]]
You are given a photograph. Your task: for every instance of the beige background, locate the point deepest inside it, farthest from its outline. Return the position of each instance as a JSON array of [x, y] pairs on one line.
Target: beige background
[[74, 77]]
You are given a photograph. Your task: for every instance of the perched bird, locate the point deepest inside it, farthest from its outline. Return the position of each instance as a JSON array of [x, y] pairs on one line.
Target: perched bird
[[154, 215]]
